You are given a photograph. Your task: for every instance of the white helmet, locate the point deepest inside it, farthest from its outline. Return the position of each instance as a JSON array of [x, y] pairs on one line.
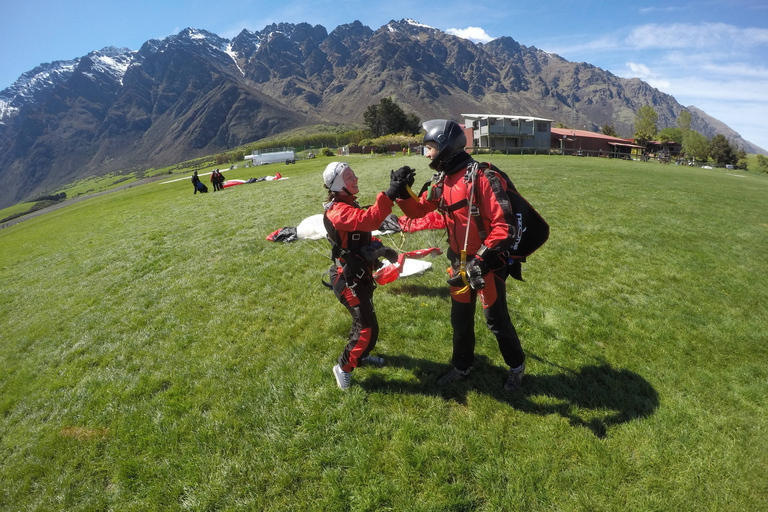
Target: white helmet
[[332, 176]]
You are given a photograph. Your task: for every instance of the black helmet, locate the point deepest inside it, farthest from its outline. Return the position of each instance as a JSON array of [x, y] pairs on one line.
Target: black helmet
[[449, 137]]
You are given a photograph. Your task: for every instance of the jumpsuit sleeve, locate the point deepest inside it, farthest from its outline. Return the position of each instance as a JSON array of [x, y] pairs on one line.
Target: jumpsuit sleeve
[[417, 209], [346, 217]]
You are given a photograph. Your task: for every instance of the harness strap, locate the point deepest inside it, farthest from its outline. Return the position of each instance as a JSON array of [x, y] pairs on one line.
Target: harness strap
[[349, 260], [474, 210], [328, 283], [456, 206], [472, 207]]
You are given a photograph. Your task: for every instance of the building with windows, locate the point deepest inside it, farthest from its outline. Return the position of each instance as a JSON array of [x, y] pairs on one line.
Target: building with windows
[[504, 133]]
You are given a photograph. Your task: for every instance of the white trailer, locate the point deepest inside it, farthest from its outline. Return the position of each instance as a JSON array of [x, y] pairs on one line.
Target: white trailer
[[271, 156]]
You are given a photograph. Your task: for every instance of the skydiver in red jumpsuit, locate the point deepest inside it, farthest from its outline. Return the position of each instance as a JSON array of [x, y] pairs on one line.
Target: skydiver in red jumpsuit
[[486, 265], [355, 254]]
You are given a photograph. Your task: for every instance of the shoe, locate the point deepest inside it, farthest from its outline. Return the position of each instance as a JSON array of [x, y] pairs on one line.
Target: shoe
[[343, 379], [515, 378], [454, 375], [372, 361]]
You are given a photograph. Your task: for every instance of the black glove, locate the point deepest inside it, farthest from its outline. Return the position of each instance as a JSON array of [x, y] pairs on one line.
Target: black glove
[[456, 281], [411, 173], [390, 254], [410, 177], [373, 252], [476, 269], [398, 181]]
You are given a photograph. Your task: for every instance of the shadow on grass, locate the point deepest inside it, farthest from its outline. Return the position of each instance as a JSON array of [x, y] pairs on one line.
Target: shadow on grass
[[420, 290], [595, 397]]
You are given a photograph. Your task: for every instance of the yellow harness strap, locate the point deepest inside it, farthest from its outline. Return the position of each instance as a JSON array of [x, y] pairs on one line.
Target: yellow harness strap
[[463, 265], [463, 274]]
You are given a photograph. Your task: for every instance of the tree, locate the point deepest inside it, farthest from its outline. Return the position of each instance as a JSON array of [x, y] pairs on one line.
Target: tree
[[671, 135], [645, 124], [387, 117], [667, 135], [684, 121], [741, 157], [762, 163], [721, 151], [609, 130], [696, 145]]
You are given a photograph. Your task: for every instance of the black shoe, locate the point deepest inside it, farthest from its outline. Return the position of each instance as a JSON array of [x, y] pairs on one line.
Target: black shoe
[[454, 375]]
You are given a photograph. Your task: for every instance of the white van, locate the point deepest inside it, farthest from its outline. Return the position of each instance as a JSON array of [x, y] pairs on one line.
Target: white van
[[272, 156]]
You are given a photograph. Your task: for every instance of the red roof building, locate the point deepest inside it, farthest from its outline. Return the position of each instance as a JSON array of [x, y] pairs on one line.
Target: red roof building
[[584, 143]]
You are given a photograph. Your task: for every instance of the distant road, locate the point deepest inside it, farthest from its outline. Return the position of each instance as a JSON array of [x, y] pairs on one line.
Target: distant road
[[77, 199]]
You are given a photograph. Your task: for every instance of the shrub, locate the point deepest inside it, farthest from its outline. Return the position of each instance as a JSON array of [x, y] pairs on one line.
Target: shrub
[[762, 163]]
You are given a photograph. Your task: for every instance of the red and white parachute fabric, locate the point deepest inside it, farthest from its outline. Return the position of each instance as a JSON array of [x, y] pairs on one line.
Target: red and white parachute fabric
[[405, 267], [432, 220]]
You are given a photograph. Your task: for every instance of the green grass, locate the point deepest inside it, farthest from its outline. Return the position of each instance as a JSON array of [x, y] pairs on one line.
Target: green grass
[[15, 209], [159, 354], [96, 184]]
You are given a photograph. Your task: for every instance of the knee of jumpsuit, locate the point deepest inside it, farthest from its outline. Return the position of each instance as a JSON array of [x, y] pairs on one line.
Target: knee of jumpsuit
[[362, 337], [365, 328]]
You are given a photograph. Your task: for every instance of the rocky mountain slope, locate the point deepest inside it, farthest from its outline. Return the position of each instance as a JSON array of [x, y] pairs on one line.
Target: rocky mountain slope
[[195, 93]]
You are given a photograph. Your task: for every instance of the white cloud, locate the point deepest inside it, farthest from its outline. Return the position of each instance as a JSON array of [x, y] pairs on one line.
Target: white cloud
[[718, 67], [474, 34], [603, 44], [737, 69], [724, 91], [715, 38], [654, 10], [703, 35], [642, 72]]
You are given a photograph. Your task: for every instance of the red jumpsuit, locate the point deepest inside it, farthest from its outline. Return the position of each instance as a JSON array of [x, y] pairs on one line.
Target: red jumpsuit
[[352, 276], [498, 221]]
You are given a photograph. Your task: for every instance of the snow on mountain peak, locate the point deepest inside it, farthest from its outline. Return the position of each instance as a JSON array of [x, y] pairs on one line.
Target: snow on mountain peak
[[112, 61], [196, 34], [203, 36], [392, 26], [43, 77], [415, 23]]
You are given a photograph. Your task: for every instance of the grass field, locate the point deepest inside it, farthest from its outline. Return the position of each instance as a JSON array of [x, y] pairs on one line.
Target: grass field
[[159, 354], [15, 209]]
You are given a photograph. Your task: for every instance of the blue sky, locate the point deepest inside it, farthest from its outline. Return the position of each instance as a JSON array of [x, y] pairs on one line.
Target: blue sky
[[711, 54]]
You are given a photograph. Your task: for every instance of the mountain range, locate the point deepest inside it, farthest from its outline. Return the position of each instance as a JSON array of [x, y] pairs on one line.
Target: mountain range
[[195, 93]]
